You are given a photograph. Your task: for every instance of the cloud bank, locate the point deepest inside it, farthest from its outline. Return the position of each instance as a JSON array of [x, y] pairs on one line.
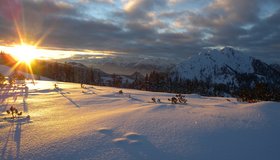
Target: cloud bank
[[166, 28]]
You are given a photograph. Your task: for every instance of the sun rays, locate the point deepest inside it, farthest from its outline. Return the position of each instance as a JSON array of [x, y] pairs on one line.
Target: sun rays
[[25, 53], [24, 50]]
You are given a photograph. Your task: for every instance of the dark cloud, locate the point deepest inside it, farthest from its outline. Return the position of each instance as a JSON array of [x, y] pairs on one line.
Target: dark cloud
[[225, 21], [264, 37], [139, 8], [152, 27], [29, 17]]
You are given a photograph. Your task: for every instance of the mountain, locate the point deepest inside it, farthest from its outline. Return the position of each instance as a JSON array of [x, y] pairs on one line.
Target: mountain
[[77, 64], [225, 66], [106, 78], [276, 66], [128, 64]]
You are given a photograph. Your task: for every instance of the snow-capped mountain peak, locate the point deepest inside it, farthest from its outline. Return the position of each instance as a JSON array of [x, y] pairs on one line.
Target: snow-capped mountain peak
[[216, 66]]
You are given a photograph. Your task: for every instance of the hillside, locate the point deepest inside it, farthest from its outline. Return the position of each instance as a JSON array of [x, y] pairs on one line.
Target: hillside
[[225, 66], [276, 66], [71, 122], [6, 71]]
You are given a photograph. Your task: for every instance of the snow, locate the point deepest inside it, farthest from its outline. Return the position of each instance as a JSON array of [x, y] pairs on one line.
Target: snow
[[70, 122], [218, 65]]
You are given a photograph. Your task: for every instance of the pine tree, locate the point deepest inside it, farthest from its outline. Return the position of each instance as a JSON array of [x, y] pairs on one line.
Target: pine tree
[[2, 79]]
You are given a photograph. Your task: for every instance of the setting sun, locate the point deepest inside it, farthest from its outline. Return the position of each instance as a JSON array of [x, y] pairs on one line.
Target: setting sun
[[25, 53]]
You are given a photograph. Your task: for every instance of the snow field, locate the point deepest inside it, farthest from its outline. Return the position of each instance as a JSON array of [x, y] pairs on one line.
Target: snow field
[[69, 122]]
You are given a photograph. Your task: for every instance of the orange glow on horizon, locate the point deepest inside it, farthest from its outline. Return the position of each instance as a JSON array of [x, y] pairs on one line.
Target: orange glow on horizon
[[25, 53]]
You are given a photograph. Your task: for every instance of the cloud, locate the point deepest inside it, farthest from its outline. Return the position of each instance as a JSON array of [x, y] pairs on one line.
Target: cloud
[[224, 20], [153, 27], [139, 9], [27, 19], [97, 1]]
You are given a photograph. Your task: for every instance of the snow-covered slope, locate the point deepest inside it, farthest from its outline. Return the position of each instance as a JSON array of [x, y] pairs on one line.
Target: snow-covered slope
[[276, 66], [221, 66], [98, 123]]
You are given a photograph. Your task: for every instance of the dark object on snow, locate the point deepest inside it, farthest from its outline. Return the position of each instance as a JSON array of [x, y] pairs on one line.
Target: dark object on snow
[[173, 100], [14, 112], [247, 100], [181, 98], [154, 100], [178, 98], [120, 92], [158, 100]]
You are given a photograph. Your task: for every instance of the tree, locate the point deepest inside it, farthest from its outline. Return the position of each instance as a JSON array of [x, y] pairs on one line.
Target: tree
[[20, 76], [2, 79]]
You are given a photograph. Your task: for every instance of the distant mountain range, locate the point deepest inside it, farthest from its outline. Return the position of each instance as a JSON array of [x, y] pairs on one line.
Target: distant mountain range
[[224, 72], [107, 78], [128, 65], [226, 66]]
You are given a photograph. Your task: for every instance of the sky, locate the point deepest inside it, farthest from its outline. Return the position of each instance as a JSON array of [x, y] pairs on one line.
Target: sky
[[159, 28]]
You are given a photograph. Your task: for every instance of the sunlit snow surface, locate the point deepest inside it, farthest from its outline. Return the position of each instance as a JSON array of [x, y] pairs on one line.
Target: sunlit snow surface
[[99, 123]]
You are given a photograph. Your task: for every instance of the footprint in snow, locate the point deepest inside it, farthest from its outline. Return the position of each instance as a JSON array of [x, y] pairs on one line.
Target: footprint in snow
[[106, 131], [131, 138], [120, 141]]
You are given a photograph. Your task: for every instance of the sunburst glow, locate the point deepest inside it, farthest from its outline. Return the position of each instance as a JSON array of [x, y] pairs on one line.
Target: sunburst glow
[[25, 53]]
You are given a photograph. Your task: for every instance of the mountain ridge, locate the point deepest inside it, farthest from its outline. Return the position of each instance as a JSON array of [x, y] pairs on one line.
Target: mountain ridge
[[223, 67]]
